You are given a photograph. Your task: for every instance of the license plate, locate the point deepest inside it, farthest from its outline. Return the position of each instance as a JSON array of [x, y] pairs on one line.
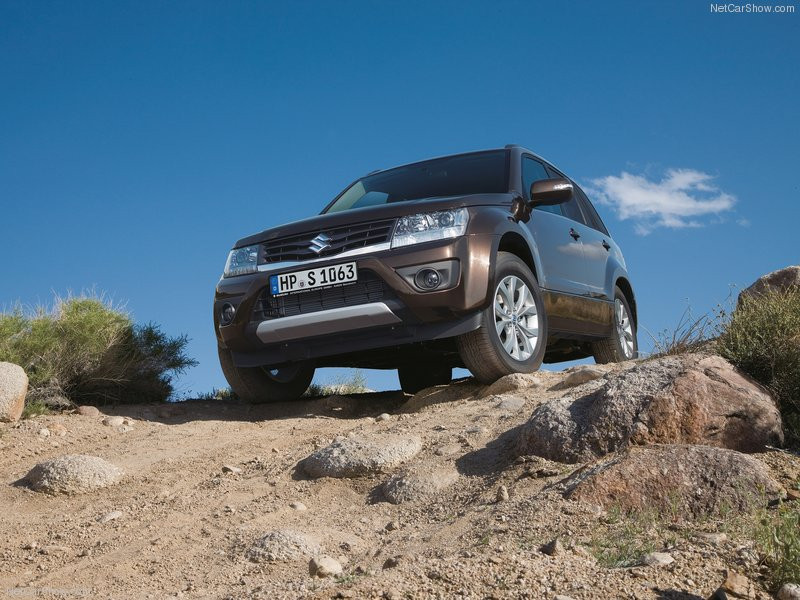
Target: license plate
[[313, 279]]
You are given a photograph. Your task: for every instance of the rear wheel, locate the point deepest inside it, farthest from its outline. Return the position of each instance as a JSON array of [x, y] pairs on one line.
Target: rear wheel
[[418, 377], [513, 334], [622, 344], [266, 384]]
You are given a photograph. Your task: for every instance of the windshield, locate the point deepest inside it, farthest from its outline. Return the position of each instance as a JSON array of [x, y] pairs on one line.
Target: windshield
[[477, 173]]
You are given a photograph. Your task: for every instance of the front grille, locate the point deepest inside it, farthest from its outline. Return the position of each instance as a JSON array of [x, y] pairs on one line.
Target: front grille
[[368, 288], [341, 239]]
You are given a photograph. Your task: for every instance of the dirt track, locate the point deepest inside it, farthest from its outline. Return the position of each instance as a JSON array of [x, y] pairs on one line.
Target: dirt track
[[186, 525]]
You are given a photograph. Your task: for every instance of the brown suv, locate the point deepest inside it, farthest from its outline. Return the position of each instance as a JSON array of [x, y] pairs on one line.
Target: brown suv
[[491, 260]]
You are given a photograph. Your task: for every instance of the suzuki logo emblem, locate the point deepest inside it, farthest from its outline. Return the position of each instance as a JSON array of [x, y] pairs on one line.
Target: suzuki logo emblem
[[320, 243]]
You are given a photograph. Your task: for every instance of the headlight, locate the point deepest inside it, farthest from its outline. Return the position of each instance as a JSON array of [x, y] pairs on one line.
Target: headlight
[[428, 227], [241, 261]]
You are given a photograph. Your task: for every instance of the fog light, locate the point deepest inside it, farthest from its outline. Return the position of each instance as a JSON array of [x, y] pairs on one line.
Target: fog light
[[427, 279], [226, 314]]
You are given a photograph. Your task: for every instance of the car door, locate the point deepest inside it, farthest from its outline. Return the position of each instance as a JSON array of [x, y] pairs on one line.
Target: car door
[[559, 244], [596, 247]]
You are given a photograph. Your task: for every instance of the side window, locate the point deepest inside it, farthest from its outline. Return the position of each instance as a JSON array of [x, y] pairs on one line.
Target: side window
[[533, 170], [570, 209], [594, 219]]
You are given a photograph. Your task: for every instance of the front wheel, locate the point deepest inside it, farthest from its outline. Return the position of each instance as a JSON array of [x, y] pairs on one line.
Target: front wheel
[[513, 333], [622, 344], [266, 384]]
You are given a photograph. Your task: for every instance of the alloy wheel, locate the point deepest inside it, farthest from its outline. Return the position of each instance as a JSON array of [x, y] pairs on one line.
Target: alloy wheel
[[624, 328], [516, 318]]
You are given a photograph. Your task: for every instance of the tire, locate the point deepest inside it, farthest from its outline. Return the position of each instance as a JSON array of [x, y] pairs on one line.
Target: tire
[[613, 349], [418, 377], [262, 384], [484, 351]]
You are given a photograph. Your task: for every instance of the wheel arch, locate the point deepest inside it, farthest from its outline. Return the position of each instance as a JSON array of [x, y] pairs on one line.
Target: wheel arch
[[514, 243], [627, 289]]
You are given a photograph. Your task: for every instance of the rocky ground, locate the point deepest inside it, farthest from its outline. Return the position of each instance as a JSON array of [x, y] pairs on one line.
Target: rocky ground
[[518, 490]]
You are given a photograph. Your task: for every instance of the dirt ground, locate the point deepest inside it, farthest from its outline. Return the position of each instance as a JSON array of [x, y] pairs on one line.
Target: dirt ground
[[185, 525]]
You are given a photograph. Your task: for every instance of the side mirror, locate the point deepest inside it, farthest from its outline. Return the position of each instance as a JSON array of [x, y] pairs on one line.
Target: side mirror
[[547, 192]]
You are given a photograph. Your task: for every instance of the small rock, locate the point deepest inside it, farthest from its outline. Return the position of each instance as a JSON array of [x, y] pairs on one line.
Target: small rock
[[476, 430], [44, 432], [792, 495], [736, 586], [85, 552], [30, 546], [88, 411], [657, 559], [511, 383], [297, 505], [73, 473], [789, 591], [581, 375], [114, 514], [715, 539], [553, 548], [502, 493], [562, 597], [361, 455], [392, 562], [231, 469], [392, 594], [392, 526], [383, 417], [324, 566], [58, 429], [114, 421], [282, 545], [51, 550], [510, 404], [418, 485], [13, 390]]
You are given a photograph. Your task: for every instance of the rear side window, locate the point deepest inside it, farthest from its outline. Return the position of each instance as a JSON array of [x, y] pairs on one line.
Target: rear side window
[[595, 222], [533, 170]]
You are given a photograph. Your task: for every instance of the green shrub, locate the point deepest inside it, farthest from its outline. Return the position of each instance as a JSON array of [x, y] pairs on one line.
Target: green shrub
[[91, 352], [762, 338], [778, 539], [356, 383]]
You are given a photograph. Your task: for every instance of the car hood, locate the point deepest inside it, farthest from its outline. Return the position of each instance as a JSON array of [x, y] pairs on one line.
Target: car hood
[[373, 213]]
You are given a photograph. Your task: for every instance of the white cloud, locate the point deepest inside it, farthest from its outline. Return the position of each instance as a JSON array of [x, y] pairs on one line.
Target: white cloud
[[680, 199]]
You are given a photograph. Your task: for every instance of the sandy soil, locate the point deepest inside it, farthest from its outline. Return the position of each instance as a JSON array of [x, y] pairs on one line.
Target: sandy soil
[[185, 525]]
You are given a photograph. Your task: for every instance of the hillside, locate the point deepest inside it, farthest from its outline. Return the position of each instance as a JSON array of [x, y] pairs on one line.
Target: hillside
[[441, 495]]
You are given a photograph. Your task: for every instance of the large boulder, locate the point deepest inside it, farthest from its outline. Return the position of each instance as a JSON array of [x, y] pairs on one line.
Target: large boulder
[[688, 399], [73, 474], [13, 389], [361, 455], [780, 280], [700, 480]]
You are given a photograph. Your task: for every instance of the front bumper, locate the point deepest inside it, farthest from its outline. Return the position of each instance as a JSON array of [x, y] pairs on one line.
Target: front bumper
[[401, 315]]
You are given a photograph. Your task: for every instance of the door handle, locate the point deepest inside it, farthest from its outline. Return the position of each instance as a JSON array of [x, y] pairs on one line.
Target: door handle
[[606, 245], [575, 235]]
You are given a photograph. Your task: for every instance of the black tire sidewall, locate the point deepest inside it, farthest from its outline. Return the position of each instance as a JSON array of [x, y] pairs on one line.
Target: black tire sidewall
[[509, 264]]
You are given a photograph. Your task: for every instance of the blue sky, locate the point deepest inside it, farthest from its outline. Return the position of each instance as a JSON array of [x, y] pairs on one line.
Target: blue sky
[[138, 140]]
